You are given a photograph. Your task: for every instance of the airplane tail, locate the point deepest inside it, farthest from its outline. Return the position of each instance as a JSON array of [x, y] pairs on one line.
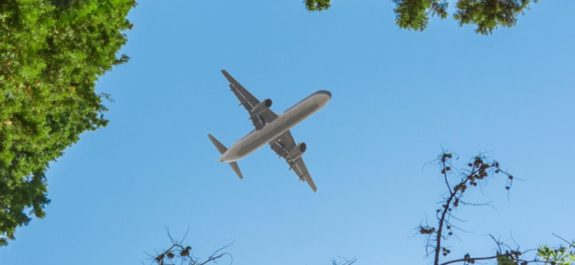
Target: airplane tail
[[222, 149]]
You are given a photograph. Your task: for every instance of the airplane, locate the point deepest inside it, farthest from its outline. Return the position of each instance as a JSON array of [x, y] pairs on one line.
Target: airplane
[[271, 129]]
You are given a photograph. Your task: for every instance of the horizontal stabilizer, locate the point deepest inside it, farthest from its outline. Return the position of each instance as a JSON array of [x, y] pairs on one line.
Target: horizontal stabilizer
[[222, 149], [236, 169], [217, 143]]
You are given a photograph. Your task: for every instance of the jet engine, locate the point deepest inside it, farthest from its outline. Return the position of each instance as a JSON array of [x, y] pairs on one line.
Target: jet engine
[[261, 106], [296, 152]]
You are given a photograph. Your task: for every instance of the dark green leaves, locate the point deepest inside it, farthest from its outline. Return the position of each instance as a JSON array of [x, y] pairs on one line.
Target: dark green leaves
[[560, 255], [317, 5], [51, 54], [414, 14], [487, 15], [505, 260]]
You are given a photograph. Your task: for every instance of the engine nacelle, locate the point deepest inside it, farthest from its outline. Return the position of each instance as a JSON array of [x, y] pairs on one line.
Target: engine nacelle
[[296, 152], [261, 106]]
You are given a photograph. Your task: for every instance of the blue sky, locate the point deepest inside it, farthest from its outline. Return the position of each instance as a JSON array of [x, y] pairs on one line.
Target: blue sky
[[399, 97]]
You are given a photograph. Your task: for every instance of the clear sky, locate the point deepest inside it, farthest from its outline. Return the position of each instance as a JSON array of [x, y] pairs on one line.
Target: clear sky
[[399, 97]]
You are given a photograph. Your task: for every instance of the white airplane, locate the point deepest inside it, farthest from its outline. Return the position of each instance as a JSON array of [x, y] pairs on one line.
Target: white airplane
[[271, 129]]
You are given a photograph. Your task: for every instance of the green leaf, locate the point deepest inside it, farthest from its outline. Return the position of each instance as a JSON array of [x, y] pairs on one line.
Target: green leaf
[[53, 51]]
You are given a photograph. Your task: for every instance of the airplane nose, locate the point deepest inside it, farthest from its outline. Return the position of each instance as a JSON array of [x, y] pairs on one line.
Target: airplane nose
[[325, 92]]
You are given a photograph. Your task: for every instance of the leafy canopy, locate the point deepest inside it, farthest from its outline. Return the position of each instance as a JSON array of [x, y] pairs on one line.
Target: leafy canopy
[[51, 54], [485, 14]]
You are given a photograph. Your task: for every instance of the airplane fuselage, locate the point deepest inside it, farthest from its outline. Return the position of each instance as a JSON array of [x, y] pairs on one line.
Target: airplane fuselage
[[277, 127]]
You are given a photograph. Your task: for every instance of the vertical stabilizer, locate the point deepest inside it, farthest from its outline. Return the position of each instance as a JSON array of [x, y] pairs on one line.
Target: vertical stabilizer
[[222, 149]]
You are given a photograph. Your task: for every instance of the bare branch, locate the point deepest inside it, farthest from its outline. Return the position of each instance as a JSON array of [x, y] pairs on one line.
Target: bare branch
[[476, 172], [571, 244], [177, 252], [468, 259], [344, 261]]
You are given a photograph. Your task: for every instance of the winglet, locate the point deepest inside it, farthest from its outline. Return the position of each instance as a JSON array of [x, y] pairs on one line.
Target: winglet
[[228, 76], [231, 79], [222, 149], [311, 183]]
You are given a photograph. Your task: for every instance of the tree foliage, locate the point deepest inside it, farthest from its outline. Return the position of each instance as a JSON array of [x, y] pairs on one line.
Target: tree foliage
[[51, 54], [486, 15], [317, 5]]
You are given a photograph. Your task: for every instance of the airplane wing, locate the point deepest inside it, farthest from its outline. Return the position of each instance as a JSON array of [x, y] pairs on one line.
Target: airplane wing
[[260, 116], [282, 145]]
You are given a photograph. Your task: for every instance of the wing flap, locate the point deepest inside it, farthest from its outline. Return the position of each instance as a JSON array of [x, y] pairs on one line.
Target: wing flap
[[301, 170], [249, 101], [281, 146]]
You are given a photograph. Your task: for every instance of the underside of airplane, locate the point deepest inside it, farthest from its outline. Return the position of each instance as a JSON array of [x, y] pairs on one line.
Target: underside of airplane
[[272, 129]]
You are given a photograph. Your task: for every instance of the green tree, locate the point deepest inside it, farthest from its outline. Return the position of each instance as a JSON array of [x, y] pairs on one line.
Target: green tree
[[486, 15], [51, 54]]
